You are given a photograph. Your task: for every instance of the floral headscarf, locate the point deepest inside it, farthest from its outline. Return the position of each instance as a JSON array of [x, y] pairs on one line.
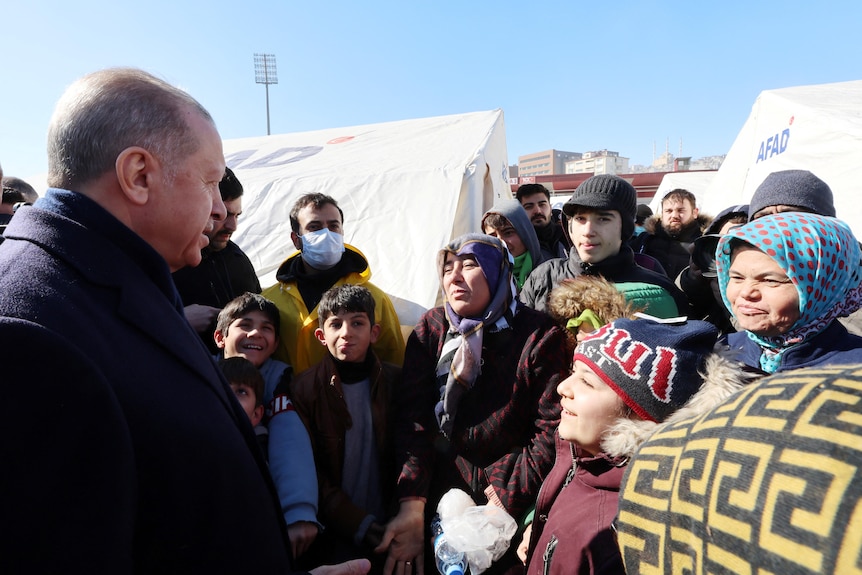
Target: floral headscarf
[[821, 257], [461, 357]]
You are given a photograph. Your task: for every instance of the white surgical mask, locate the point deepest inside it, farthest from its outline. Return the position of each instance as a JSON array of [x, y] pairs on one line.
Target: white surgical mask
[[322, 249]]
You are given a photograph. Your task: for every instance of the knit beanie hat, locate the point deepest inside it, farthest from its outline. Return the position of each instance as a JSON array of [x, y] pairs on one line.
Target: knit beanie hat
[[606, 192], [654, 367], [793, 188]]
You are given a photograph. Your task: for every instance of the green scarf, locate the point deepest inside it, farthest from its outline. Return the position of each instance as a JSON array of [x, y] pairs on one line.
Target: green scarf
[[523, 267]]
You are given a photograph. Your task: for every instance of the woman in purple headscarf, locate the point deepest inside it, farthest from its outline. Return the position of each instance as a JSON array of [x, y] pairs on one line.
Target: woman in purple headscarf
[[787, 278], [477, 406]]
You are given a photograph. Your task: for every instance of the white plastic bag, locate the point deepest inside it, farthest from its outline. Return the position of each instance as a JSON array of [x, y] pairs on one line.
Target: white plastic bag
[[482, 532]]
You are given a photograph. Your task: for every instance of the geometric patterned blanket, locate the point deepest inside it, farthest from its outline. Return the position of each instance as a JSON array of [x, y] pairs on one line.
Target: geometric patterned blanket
[[769, 482]]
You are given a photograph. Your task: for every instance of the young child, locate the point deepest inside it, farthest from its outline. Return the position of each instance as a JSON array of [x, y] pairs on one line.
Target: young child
[[345, 401], [248, 327], [247, 385], [628, 377]]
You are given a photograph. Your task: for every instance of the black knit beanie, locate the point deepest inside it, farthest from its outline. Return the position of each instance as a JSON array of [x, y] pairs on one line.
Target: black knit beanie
[[793, 188], [607, 192]]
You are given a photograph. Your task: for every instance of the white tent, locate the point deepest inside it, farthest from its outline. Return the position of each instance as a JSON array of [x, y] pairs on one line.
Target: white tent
[[696, 182], [406, 189], [816, 128]]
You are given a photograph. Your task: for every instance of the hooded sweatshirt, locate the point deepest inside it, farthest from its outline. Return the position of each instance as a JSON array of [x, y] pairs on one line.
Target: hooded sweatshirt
[[512, 210]]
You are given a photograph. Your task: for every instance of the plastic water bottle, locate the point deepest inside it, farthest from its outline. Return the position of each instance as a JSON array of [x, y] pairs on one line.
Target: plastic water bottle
[[449, 561]]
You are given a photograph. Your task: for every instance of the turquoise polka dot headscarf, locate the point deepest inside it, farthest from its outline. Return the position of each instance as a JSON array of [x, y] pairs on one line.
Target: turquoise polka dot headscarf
[[821, 257]]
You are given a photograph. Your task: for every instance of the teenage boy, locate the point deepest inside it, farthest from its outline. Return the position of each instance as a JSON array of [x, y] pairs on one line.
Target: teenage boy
[[345, 401], [601, 218], [248, 327], [508, 221], [247, 386]]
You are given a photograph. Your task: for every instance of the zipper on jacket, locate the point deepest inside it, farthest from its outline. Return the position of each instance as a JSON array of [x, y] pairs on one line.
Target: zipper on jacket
[[549, 554], [571, 473]]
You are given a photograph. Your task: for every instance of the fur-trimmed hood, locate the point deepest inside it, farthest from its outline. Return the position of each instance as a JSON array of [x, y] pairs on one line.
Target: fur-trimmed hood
[[654, 226], [723, 376]]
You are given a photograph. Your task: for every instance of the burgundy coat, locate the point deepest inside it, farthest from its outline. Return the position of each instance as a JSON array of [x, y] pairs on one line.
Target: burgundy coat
[[572, 527]]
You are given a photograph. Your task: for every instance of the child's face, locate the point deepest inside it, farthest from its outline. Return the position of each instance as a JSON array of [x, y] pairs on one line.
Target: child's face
[[347, 335], [590, 407], [251, 336], [247, 399]]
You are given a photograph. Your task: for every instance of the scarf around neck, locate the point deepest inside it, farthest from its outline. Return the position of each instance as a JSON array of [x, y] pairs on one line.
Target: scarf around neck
[[461, 357], [821, 257]]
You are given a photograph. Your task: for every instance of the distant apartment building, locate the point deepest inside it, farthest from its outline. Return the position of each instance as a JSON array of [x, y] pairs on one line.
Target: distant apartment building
[[600, 162], [546, 163]]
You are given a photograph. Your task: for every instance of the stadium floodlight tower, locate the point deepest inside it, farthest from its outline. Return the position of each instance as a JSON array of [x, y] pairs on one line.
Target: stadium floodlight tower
[[265, 73]]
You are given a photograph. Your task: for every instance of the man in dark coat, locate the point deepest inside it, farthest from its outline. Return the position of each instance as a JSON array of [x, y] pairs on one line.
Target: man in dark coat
[[225, 272], [536, 201], [669, 235], [124, 449]]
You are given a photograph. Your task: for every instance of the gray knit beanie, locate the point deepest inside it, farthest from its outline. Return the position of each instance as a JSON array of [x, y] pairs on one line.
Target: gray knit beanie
[[607, 192], [798, 188]]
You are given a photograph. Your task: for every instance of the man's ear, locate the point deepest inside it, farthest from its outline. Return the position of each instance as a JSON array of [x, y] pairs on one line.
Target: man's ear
[[135, 168], [375, 332], [297, 240], [321, 336], [218, 336]]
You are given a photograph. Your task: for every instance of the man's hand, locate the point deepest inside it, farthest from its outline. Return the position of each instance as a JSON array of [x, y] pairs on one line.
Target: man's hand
[[354, 567], [201, 317], [403, 538], [302, 534]]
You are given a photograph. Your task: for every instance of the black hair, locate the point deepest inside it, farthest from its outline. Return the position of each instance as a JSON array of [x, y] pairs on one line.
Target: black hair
[[346, 298], [241, 305], [317, 200], [229, 187], [531, 189], [240, 371]]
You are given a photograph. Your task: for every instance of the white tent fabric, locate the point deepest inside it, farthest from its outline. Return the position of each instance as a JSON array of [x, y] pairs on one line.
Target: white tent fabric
[[695, 182], [816, 128], [406, 189]]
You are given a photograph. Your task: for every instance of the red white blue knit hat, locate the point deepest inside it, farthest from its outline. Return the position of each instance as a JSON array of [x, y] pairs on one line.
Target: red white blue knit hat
[[654, 367]]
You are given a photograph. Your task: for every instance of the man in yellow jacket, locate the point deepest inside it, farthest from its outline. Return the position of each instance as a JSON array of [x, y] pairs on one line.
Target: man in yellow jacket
[[323, 261]]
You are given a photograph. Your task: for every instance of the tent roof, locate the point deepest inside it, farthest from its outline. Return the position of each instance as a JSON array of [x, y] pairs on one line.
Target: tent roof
[[406, 188], [816, 128]]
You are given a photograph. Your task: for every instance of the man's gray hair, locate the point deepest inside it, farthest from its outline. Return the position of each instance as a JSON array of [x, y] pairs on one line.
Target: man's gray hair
[[105, 112]]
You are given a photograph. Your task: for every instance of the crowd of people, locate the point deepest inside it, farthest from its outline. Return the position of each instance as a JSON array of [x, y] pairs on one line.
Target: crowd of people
[[191, 420]]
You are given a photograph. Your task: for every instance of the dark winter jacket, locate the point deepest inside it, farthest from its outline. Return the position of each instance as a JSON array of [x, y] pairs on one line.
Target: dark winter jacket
[[672, 251], [142, 460], [833, 346], [619, 268], [319, 399], [220, 277], [503, 434], [577, 504], [552, 238]]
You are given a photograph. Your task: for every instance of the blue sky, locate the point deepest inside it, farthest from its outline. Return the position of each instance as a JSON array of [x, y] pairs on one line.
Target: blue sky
[[575, 76]]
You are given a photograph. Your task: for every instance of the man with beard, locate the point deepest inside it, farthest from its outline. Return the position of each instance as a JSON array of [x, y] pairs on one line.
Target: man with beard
[[670, 235], [536, 200], [225, 272]]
